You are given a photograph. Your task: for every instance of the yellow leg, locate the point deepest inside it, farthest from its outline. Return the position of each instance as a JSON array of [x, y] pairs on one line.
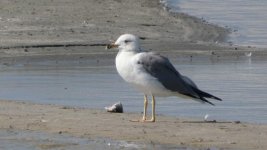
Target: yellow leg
[[153, 119], [145, 108], [145, 111]]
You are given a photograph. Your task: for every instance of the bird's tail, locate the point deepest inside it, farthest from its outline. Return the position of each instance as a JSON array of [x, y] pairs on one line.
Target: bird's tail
[[202, 95]]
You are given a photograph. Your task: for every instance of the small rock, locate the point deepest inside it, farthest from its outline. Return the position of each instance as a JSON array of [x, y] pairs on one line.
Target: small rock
[[237, 122], [115, 108], [206, 117], [43, 120]]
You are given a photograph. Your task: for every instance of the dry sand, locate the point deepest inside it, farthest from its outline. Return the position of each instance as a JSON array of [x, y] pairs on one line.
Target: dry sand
[[37, 30], [89, 123]]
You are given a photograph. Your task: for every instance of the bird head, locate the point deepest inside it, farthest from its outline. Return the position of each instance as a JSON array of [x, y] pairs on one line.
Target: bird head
[[126, 42]]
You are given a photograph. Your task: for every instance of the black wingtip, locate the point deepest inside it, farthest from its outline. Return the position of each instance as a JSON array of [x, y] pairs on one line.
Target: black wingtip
[[216, 98], [206, 101], [206, 95]]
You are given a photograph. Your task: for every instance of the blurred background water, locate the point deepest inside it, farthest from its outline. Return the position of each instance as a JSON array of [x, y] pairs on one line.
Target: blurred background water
[[247, 19]]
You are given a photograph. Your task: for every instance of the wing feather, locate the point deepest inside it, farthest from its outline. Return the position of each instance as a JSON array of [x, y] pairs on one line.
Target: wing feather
[[162, 69]]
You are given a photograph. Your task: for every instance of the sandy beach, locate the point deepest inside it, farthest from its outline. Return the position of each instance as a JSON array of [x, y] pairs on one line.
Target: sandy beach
[[36, 31], [89, 123]]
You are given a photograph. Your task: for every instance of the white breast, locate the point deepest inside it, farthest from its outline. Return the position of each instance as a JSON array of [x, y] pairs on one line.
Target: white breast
[[124, 66]]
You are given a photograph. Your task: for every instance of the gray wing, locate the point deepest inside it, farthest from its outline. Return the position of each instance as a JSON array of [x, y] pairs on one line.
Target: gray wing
[[161, 68], [189, 81]]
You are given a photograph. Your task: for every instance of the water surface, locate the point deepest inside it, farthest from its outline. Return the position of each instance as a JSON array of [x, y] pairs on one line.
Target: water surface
[[241, 83], [246, 18]]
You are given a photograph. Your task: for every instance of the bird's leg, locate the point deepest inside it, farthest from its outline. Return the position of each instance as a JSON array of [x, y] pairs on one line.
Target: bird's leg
[[153, 118], [145, 111], [145, 108], [153, 109]]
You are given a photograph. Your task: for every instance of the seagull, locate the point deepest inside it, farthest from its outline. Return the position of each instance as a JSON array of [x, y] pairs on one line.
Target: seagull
[[153, 74]]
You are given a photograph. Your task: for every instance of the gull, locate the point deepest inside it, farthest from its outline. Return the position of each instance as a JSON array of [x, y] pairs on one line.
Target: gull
[[153, 74]]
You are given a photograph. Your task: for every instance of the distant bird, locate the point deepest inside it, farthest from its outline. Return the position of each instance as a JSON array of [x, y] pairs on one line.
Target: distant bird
[[153, 74]]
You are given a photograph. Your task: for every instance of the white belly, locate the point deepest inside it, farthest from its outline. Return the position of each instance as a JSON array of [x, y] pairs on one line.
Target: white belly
[[134, 74]]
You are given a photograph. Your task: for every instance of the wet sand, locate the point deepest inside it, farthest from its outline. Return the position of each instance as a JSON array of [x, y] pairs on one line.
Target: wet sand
[[60, 29], [31, 30], [89, 123]]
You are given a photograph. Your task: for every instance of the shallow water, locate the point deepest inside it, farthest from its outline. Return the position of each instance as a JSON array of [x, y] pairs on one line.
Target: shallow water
[[241, 83], [33, 140], [246, 18]]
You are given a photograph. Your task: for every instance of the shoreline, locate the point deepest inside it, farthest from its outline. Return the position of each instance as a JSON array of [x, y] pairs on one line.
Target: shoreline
[[93, 123]]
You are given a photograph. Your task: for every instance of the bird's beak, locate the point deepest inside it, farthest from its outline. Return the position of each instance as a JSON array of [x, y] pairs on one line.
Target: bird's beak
[[112, 45]]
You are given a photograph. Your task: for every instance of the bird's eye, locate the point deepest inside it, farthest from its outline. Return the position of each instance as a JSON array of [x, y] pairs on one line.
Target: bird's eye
[[127, 41]]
